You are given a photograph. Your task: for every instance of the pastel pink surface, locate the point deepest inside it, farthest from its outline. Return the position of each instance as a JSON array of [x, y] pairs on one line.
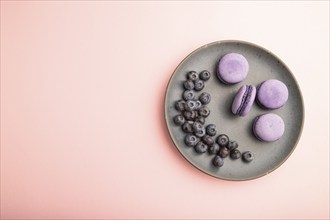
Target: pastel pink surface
[[82, 122]]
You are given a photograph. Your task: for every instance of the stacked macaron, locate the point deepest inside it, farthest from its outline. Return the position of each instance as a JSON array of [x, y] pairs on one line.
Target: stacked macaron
[[270, 94]]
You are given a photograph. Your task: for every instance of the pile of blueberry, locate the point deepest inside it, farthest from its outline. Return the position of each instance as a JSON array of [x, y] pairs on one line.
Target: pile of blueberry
[[193, 112]]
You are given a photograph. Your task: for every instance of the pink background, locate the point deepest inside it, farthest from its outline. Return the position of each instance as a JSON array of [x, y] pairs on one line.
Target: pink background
[[82, 128]]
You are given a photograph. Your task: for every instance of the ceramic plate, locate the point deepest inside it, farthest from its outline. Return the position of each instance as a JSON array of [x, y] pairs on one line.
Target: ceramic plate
[[263, 65]]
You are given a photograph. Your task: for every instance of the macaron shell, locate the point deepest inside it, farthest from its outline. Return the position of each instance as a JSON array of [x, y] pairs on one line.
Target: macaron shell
[[250, 102], [238, 99], [272, 94], [233, 68], [268, 127]]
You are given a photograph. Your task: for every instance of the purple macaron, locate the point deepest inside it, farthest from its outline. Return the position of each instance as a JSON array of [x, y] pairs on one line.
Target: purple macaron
[[272, 94], [243, 100], [268, 127], [232, 68]]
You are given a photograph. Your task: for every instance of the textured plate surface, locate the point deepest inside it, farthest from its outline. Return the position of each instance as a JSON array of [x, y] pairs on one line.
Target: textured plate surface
[[263, 65]]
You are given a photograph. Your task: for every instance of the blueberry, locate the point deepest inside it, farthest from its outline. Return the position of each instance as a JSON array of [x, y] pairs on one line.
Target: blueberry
[[179, 120], [232, 145], [187, 127], [218, 161], [204, 111], [188, 95], [211, 130], [190, 105], [190, 140], [192, 75], [188, 84], [197, 126], [200, 147], [214, 149], [199, 84], [247, 156], [200, 119], [208, 140], [199, 129], [200, 133], [204, 75], [205, 98], [180, 105], [196, 114], [193, 105], [235, 154], [198, 104], [223, 152], [223, 140], [190, 115]]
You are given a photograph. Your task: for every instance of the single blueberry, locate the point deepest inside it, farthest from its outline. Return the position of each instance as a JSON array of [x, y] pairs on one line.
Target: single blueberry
[[208, 140], [200, 133], [235, 154], [247, 156], [232, 145], [218, 161], [190, 105], [187, 127], [188, 84], [198, 105], [190, 115], [190, 140], [223, 152], [204, 75], [197, 126], [200, 119], [205, 98], [214, 149], [192, 75], [188, 95], [198, 84], [179, 120], [200, 147], [180, 105], [211, 130], [222, 140], [204, 111]]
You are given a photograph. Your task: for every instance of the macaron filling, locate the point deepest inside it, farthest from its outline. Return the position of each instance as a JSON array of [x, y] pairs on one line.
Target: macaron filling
[[243, 100]]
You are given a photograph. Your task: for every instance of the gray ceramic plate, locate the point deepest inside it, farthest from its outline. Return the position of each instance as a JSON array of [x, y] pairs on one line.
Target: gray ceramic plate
[[263, 65]]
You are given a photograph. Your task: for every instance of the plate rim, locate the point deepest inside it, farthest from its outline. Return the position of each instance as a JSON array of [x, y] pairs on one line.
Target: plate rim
[[267, 51]]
